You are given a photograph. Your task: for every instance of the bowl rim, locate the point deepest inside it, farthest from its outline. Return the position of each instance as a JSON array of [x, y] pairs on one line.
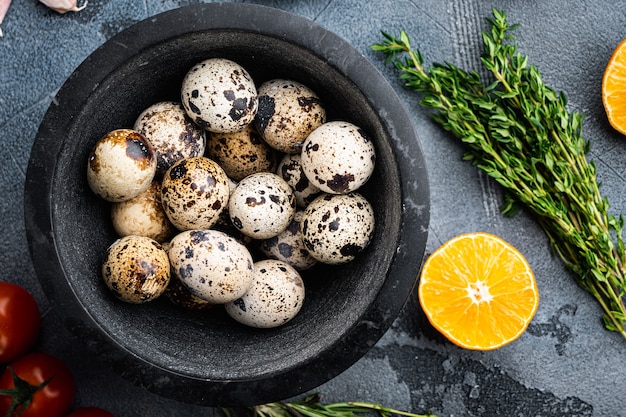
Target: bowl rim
[[305, 33]]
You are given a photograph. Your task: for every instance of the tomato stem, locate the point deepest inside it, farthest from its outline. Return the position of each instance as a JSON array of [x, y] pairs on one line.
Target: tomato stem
[[21, 394]]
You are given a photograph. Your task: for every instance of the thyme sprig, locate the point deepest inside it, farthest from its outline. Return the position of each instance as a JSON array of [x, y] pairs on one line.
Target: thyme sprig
[[519, 132], [311, 406]]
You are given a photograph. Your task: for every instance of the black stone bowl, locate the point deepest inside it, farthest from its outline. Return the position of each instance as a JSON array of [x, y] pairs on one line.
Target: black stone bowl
[[204, 357]]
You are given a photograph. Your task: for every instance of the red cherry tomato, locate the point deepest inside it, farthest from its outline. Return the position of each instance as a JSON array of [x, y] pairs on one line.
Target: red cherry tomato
[[19, 321], [90, 412], [40, 378]]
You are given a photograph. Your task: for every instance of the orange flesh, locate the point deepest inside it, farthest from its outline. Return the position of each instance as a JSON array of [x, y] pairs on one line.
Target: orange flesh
[[478, 291], [614, 88]]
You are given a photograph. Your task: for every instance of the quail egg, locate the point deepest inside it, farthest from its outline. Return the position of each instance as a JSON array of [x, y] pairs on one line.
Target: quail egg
[[143, 215], [194, 192], [337, 227], [121, 165], [242, 153], [225, 225], [288, 246], [171, 132], [338, 157], [136, 269], [211, 264], [290, 168], [288, 112], [262, 205], [219, 95], [275, 297], [179, 295]]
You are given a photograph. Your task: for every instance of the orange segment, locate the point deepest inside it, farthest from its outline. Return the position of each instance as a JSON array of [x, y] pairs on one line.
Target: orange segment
[[614, 88], [478, 291]]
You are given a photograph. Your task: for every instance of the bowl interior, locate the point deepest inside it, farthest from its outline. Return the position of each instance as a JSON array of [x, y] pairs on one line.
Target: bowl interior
[[208, 356]]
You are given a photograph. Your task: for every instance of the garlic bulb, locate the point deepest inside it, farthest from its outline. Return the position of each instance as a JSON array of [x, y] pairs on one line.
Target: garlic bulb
[[63, 6], [4, 6]]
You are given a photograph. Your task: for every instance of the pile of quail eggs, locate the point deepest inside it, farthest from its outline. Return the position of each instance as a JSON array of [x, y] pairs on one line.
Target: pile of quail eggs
[[199, 186]]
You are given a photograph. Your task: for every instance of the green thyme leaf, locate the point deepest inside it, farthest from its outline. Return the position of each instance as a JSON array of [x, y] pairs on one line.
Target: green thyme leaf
[[311, 406], [520, 133]]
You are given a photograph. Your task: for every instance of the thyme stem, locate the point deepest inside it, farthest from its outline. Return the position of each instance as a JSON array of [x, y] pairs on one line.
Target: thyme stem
[[312, 407], [519, 132]]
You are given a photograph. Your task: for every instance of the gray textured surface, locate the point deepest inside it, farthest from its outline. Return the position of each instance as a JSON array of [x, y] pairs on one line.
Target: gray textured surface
[[564, 365]]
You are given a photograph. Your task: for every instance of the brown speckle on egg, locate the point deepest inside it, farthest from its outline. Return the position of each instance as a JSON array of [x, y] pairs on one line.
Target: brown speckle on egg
[[275, 297], [338, 157], [171, 132], [242, 153], [290, 169], [178, 294], [219, 95], [262, 205], [121, 165], [211, 264], [288, 112], [337, 227], [143, 215], [136, 269], [194, 192], [289, 247]]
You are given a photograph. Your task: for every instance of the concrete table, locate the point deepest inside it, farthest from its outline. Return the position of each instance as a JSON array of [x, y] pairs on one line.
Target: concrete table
[[566, 364]]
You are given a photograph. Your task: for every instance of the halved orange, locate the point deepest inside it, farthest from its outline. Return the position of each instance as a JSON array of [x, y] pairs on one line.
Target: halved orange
[[614, 88], [479, 291]]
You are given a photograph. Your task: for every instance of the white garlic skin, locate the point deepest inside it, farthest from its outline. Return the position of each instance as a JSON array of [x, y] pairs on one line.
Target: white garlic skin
[[275, 297], [4, 7], [64, 6]]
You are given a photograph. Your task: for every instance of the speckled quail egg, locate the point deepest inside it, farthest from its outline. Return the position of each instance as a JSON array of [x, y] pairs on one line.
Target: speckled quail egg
[[178, 294], [290, 168], [338, 157], [224, 219], [276, 296], [136, 269], [337, 227], [262, 205], [121, 165], [219, 95], [171, 132], [225, 225], [143, 215], [288, 246], [194, 192], [288, 112], [242, 153], [211, 264]]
